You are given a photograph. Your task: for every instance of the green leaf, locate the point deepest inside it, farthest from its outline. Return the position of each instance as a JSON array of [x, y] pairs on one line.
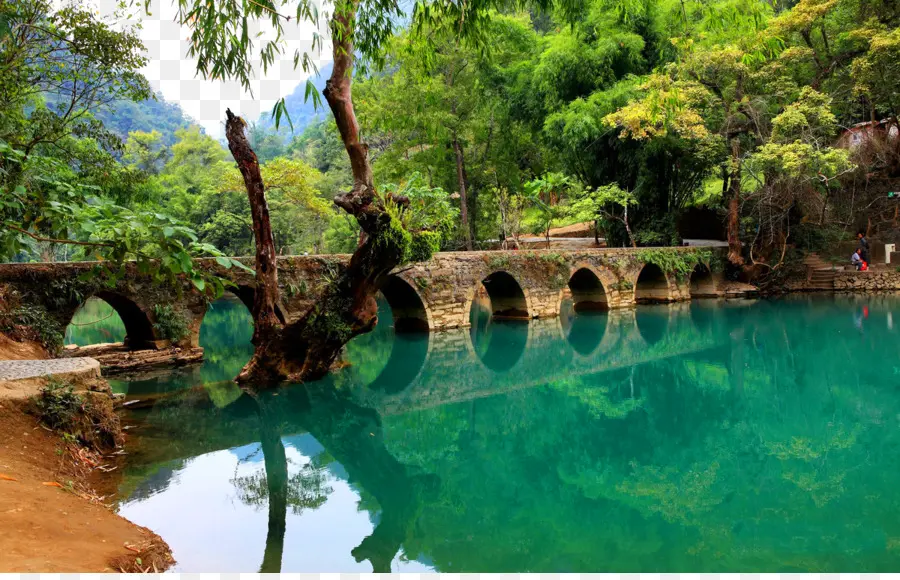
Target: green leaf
[[242, 266], [186, 264]]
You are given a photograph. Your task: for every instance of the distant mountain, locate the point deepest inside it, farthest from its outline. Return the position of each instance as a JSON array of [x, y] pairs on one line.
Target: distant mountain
[[123, 117], [302, 113]]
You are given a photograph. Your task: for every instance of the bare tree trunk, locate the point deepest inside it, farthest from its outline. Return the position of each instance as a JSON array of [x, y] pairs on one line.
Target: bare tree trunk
[[628, 228], [734, 205], [267, 294], [305, 349], [463, 199]]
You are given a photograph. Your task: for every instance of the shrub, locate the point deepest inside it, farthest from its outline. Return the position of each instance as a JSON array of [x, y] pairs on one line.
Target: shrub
[[33, 323], [87, 418], [58, 405], [498, 262], [424, 245], [678, 262]]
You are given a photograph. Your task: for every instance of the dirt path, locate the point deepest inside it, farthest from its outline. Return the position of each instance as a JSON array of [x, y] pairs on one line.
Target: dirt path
[[20, 350], [56, 529]]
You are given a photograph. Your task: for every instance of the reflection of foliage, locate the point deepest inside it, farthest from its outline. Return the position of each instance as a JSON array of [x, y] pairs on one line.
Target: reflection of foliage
[[223, 393], [368, 354], [794, 461], [95, 322], [306, 489], [598, 398], [677, 494], [225, 337], [713, 375], [807, 449]]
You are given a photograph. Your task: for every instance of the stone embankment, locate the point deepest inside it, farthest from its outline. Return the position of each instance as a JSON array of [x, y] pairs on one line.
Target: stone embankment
[[820, 275], [20, 379], [71, 369], [870, 281]]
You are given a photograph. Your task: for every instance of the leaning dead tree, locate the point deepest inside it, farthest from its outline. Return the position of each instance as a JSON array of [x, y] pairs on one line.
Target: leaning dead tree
[[307, 348]]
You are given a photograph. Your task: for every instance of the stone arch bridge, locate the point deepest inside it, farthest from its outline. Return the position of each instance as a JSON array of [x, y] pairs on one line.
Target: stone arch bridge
[[433, 295]]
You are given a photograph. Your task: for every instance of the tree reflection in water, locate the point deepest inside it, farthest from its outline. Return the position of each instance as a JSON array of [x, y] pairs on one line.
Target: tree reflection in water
[[274, 487]]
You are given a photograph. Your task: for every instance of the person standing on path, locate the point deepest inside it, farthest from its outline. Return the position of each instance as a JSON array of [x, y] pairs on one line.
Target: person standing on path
[[864, 247]]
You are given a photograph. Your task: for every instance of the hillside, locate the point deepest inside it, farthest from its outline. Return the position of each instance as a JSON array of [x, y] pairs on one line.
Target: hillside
[[124, 117]]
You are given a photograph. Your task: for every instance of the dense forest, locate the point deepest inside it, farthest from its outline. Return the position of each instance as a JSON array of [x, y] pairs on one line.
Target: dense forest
[[771, 123]]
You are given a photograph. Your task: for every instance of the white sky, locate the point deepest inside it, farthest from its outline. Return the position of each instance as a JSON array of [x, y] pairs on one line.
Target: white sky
[[171, 72]]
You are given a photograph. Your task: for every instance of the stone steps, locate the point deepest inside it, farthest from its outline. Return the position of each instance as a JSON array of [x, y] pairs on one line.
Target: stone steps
[[820, 274], [822, 280], [815, 262]]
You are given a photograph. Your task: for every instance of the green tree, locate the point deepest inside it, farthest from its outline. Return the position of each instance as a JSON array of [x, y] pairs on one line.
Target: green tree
[[146, 151], [606, 204], [59, 183], [546, 195], [221, 42]]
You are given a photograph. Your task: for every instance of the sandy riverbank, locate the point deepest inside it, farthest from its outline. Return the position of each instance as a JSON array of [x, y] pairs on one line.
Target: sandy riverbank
[[64, 526]]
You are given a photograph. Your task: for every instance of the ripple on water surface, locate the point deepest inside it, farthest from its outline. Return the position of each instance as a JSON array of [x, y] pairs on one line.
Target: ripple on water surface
[[697, 437]]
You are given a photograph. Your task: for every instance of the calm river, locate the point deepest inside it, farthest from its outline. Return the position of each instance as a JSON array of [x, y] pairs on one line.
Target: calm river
[[712, 436]]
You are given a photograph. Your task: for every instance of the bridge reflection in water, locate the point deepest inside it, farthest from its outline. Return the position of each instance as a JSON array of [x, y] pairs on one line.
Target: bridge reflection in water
[[707, 436]]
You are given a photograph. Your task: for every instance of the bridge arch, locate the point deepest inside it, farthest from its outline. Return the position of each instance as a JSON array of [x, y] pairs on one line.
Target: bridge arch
[[500, 345], [247, 294], [588, 289], [409, 353], [702, 283], [508, 300], [224, 329], [585, 332], [139, 332], [409, 310], [652, 285], [583, 307], [652, 323]]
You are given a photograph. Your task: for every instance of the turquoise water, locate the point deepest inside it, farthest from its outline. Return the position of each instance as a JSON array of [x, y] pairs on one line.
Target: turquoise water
[[752, 436], [94, 323]]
